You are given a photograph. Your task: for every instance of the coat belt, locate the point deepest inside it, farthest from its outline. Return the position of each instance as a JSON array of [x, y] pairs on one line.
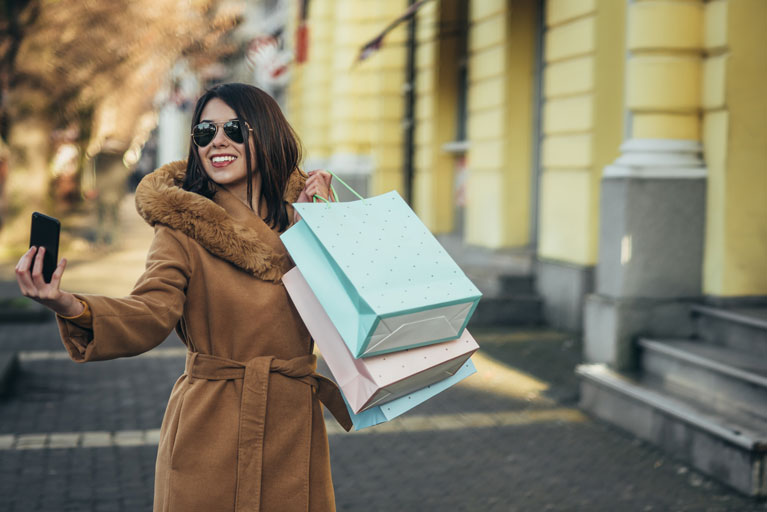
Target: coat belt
[[255, 375]]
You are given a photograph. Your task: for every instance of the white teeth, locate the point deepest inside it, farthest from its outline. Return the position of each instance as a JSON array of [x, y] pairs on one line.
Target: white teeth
[[219, 159]]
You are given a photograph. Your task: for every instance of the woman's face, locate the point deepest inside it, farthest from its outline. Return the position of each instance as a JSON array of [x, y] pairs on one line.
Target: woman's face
[[223, 159]]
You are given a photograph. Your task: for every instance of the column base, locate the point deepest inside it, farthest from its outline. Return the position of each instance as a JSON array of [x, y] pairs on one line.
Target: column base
[[564, 287], [651, 237], [612, 326]]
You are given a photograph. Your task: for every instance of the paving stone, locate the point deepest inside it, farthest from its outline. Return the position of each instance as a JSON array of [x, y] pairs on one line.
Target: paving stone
[[31, 441], [129, 438], [495, 443], [64, 440], [153, 437], [97, 439], [6, 441]]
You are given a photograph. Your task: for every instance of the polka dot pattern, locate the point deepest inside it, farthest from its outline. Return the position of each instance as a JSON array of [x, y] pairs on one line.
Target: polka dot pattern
[[391, 410]]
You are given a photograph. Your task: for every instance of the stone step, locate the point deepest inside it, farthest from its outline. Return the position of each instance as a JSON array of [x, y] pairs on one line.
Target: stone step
[[516, 284], [514, 310], [505, 278], [493, 282], [732, 449], [727, 380], [744, 329]]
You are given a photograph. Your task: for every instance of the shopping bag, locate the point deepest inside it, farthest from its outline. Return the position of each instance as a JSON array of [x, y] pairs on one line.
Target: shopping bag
[[381, 276], [390, 410], [375, 380]]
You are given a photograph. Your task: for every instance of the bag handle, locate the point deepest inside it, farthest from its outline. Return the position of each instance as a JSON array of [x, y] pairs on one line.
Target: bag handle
[[333, 196], [333, 190]]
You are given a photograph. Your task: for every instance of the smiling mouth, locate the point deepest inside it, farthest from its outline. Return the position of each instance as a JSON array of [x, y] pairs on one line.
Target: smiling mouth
[[222, 161]]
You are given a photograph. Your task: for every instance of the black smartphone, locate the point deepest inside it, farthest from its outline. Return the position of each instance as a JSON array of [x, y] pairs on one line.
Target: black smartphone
[[45, 233]]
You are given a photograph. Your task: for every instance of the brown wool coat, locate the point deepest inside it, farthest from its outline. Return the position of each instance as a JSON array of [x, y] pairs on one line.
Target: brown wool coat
[[243, 430]]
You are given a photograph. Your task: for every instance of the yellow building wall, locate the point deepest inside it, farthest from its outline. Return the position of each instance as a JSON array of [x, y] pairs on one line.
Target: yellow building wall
[[435, 116], [582, 122], [349, 99], [309, 106], [500, 122], [294, 99], [387, 76], [734, 134], [664, 72], [340, 108]]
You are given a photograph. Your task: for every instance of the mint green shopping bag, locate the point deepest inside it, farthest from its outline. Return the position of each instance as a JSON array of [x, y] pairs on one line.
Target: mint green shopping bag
[[383, 279]]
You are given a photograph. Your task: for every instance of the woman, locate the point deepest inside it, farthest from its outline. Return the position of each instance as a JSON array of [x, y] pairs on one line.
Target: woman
[[243, 429]]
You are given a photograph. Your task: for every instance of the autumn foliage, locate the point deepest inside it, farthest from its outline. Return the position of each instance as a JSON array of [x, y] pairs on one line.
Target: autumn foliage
[[87, 71]]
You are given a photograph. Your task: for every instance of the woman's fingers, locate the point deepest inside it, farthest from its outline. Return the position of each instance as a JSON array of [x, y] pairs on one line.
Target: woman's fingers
[[37, 268], [327, 179], [22, 271], [318, 191], [318, 185], [24, 262], [303, 197], [56, 279], [319, 174], [29, 275]]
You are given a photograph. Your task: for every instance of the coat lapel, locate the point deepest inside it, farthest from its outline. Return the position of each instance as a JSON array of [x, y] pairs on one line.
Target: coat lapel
[[225, 227], [247, 218]]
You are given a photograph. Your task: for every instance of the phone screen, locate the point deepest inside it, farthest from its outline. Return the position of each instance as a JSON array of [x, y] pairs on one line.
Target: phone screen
[[45, 233]]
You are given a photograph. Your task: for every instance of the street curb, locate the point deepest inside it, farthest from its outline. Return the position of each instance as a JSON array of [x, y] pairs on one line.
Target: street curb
[[9, 367]]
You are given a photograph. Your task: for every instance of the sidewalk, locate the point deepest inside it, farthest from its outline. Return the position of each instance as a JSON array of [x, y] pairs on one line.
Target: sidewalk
[[511, 438]]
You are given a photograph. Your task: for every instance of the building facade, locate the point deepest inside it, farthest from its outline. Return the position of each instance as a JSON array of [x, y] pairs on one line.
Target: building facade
[[619, 143], [523, 110]]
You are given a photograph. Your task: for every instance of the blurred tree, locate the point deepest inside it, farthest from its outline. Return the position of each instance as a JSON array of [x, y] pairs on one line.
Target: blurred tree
[[91, 69]]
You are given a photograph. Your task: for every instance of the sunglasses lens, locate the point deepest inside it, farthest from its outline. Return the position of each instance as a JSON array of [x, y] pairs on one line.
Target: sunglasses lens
[[233, 131], [203, 134]]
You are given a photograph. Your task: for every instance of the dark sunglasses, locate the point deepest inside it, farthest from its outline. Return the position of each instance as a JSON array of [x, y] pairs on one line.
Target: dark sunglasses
[[204, 133]]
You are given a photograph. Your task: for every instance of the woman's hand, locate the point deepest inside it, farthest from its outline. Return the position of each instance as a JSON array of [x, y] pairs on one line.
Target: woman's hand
[[29, 275], [317, 184]]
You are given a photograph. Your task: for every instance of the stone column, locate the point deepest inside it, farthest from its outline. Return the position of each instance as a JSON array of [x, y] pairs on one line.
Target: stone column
[[652, 208]]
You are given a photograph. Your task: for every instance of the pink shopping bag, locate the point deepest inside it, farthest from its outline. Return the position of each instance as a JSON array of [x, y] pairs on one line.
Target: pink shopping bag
[[375, 380]]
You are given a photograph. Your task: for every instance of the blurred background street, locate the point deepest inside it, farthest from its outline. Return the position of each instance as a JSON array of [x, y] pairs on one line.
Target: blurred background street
[[596, 167]]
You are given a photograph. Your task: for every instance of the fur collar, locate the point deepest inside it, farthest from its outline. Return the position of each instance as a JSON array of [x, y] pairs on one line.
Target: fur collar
[[161, 200]]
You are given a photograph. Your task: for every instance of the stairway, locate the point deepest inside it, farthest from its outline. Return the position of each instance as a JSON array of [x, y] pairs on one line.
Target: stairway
[[505, 278], [703, 400]]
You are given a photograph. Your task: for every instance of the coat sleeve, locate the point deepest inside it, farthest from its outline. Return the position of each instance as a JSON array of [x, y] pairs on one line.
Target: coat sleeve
[[131, 325]]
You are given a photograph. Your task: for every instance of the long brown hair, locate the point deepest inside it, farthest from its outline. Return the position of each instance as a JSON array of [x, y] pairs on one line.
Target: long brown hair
[[278, 149]]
